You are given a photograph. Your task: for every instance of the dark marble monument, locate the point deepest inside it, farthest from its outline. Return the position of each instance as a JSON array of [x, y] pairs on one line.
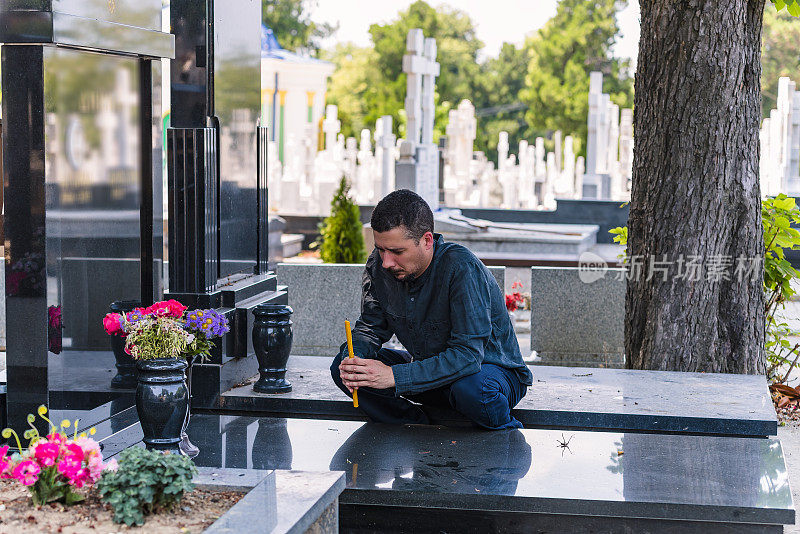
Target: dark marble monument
[[82, 159]]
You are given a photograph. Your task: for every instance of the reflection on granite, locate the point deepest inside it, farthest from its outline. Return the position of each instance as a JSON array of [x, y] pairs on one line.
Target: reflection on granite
[[566, 397], [598, 473]]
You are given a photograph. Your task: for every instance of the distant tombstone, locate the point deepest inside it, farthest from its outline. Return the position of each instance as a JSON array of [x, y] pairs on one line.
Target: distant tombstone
[[331, 125], [405, 174], [557, 150], [461, 133], [566, 182], [626, 147]]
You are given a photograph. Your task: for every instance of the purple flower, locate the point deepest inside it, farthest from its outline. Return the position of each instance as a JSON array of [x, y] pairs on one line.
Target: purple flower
[[135, 315], [210, 322]]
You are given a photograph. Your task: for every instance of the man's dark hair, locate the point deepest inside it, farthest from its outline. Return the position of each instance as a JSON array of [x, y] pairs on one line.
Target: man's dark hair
[[403, 208]]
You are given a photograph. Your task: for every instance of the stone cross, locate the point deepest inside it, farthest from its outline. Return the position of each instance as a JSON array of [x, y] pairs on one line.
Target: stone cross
[[386, 141], [421, 70]]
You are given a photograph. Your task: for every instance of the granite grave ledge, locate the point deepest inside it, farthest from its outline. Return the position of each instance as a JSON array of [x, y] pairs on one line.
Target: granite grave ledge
[[678, 483], [561, 397]]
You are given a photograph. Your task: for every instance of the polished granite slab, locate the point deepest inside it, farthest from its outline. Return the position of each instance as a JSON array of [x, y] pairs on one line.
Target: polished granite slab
[[630, 476], [562, 397], [279, 502]]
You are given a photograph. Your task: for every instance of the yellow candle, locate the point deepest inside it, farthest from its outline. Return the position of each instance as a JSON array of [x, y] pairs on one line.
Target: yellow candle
[[350, 352]]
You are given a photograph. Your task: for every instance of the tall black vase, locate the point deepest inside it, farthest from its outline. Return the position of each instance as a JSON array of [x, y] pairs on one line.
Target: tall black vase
[[162, 402], [272, 341], [126, 367]]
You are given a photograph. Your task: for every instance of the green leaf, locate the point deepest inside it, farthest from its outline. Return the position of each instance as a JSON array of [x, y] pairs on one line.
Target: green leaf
[[794, 10], [786, 203], [779, 4]]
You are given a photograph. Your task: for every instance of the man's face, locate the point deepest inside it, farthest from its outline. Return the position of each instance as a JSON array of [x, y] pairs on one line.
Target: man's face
[[401, 256]]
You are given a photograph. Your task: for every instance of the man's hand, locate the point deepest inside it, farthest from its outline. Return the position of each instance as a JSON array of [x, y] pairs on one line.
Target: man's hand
[[361, 372]]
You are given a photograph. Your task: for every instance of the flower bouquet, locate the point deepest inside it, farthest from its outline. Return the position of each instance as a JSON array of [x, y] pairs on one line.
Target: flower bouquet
[[54, 466], [167, 330], [163, 339]]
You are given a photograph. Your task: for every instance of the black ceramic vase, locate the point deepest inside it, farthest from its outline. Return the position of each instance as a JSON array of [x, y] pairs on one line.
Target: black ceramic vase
[[272, 341], [126, 367], [162, 402]]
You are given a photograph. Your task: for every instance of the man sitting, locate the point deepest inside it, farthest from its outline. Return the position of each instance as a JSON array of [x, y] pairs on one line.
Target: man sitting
[[446, 308]]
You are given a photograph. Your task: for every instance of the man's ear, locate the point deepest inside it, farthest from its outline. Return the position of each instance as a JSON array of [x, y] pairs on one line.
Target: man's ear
[[428, 237]]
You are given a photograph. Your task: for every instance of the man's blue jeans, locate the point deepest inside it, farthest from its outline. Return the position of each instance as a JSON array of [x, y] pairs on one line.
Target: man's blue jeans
[[485, 398]]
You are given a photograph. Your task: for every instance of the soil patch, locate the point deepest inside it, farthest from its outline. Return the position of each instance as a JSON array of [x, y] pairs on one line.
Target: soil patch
[[194, 513]]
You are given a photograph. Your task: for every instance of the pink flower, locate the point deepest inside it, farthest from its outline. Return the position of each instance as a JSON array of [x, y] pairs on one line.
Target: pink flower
[[57, 437], [89, 446], [27, 472], [112, 324], [46, 453], [75, 449], [5, 468], [5, 464], [54, 317], [95, 467], [70, 464], [112, 465], [79, 478]]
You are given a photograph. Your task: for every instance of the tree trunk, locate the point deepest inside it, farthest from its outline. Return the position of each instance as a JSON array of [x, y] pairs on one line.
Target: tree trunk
[[695, 197]]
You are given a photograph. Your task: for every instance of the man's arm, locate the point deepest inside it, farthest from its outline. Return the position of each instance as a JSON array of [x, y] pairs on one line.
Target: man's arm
[[371, 330], [471, 327]]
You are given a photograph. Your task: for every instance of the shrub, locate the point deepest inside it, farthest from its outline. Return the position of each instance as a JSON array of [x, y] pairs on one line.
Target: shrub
[[342, 240], [145, 482]]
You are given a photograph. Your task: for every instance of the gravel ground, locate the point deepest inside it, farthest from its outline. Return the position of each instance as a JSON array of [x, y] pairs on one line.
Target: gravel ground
[[196, 512]]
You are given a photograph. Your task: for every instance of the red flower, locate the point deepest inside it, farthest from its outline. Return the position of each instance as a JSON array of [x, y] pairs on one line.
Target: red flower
[[166, 308], [511, 303]]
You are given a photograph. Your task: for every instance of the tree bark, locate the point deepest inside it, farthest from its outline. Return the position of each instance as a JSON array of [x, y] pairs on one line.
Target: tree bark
[[695, 197]]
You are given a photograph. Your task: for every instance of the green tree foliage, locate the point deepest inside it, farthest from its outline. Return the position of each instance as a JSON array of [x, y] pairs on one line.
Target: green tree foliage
[[289, 20], [498, 90], [777, 59], [342, 240], [356, 86], [457, 54], [575, 42], [792, 6]]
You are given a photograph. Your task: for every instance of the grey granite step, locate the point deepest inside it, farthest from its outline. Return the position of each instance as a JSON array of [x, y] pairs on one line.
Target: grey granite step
[[561, 397], [422, 478]]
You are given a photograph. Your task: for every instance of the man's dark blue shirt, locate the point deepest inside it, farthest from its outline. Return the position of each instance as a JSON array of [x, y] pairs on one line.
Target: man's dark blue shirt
[[451, 319]]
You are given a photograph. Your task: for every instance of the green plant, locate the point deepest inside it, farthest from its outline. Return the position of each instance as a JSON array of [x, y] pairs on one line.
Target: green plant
[[145, 482], [777, 216], [342, 240]]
